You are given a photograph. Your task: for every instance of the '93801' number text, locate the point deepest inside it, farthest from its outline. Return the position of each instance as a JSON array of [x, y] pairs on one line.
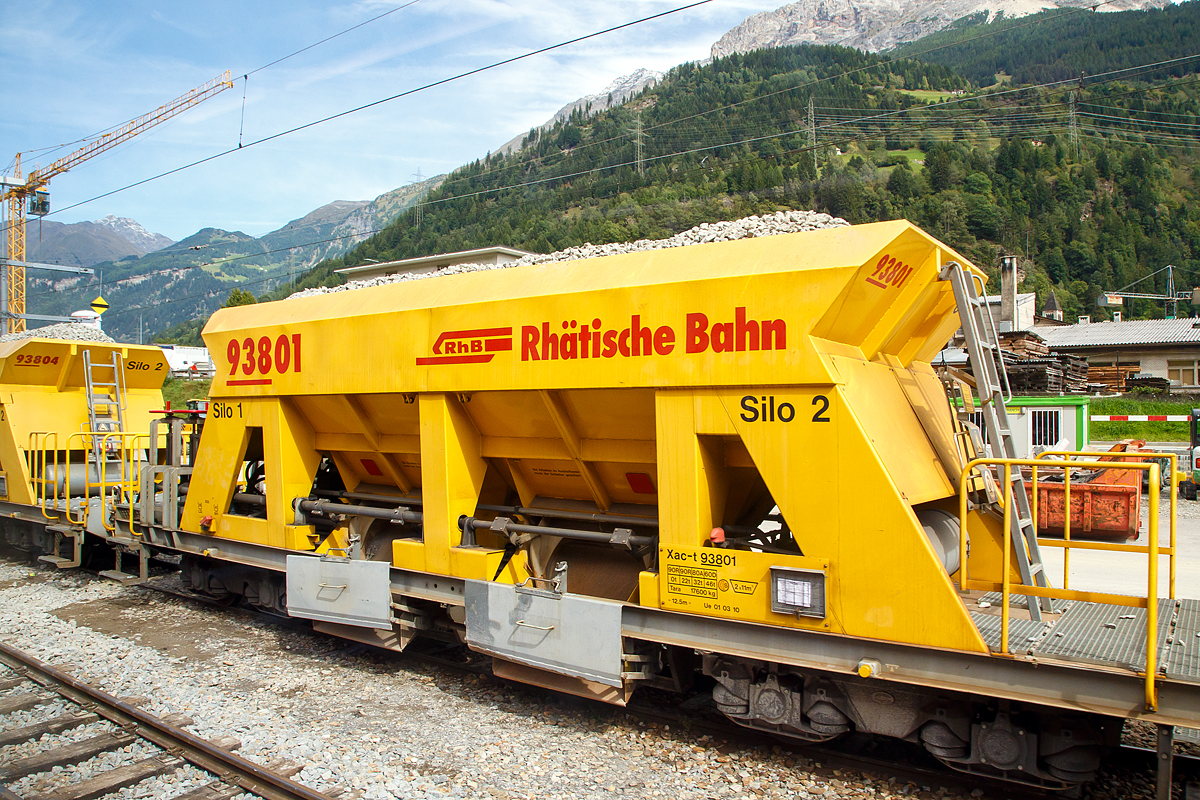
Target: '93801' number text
[[264, 355]]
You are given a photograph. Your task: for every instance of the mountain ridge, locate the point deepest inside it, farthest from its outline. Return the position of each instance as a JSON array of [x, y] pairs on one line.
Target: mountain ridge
[[878, 25], [616, 93], [192, 277], [85, 244]]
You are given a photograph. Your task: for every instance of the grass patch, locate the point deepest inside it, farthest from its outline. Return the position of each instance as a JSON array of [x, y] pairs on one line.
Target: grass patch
[[926, 95], [1144, 404], [178, 391], [913, 154]]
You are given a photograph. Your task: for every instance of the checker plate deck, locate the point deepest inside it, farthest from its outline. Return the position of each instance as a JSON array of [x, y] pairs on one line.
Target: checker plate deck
[[1021, 601], [1098, 633], [1023, 634], [1183, 655]]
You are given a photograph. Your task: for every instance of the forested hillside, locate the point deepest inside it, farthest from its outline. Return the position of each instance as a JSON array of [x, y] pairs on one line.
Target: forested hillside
[[1062, 44], [190, 278], [1093, 205]]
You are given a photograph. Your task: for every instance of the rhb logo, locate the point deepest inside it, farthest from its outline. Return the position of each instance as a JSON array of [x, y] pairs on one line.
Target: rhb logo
[[477, 346]]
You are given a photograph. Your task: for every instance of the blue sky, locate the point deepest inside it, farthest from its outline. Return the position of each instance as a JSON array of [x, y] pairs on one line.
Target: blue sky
[[72, 69]]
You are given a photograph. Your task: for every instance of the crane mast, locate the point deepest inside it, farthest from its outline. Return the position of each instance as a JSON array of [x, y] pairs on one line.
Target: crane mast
[[32, 197]]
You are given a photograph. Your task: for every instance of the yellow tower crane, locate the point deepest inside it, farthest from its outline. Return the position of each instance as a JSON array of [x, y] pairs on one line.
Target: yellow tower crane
[[32, 197]]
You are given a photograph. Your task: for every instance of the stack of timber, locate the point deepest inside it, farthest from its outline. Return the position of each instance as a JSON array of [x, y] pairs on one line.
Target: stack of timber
[[1111, 379], [1033, 369], [1138, 382]]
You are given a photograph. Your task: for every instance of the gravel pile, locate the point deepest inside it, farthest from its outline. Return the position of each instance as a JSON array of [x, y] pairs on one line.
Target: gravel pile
[[746, 228], [71, 331]]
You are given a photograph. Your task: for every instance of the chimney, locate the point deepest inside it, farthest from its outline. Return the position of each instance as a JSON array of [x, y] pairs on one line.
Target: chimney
[[1008, 293]]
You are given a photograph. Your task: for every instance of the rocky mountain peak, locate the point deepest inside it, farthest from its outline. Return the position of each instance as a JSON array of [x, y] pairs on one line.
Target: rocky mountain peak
[[131, 231], [616, 93], [875, 25]]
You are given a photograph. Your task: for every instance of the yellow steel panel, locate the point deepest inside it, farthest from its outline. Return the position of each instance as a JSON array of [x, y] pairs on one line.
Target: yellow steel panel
[[875, 398], [451, 475], [714, 375], [834, 491], [791, 435], [927, 397], [598, 413], [517, 415], [42, 391], [691, 485], [222, 448], [291, 461], [648, 589], [892, 584], [59, 362]]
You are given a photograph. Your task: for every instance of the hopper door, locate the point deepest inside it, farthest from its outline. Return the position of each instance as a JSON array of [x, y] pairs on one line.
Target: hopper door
[[339, 590], [563, 633]]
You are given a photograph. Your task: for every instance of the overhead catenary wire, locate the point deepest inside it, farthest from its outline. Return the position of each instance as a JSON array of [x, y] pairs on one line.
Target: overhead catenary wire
[[331, 38], [246, 75], [406, 93], [437, 83]]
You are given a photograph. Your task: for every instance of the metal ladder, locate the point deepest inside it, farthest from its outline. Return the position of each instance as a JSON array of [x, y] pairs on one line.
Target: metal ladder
[[105, 400], [983, 350]]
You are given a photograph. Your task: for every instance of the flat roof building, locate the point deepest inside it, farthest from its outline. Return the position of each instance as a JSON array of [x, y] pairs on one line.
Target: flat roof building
[[1163, 348]]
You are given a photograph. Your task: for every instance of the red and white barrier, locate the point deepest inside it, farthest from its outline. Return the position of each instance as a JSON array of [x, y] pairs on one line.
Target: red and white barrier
[[1141, 418]]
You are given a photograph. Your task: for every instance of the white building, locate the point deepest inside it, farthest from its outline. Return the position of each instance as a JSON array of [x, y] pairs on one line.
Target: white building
[[189, 362], [1164, 348]]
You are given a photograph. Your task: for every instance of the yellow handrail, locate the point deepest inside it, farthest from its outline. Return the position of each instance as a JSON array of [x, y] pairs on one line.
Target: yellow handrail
[[83, 507], [1176, 478], [125, 483], [1152, 550], [38, 479]]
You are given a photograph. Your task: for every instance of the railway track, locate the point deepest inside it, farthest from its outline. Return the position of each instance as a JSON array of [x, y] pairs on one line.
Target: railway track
[[28, 683]]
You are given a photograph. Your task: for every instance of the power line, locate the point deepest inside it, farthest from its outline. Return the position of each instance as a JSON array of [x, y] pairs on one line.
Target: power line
[[389, 99], [536, 52], [1035, 117], [331, 38], [244, 77]]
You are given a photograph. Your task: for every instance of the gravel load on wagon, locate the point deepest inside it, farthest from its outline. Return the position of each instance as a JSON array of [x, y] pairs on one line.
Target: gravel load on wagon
[[71, 331], [745, 228]]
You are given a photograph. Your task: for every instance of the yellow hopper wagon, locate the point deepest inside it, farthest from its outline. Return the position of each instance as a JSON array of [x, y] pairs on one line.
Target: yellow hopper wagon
[[732, 462], [74, 433]]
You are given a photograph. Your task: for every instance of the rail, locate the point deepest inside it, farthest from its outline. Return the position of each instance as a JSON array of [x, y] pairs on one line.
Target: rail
[[228, 767], [1007, 588]]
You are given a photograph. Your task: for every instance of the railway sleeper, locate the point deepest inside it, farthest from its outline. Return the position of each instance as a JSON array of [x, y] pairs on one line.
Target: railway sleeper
[[1025, 744]]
